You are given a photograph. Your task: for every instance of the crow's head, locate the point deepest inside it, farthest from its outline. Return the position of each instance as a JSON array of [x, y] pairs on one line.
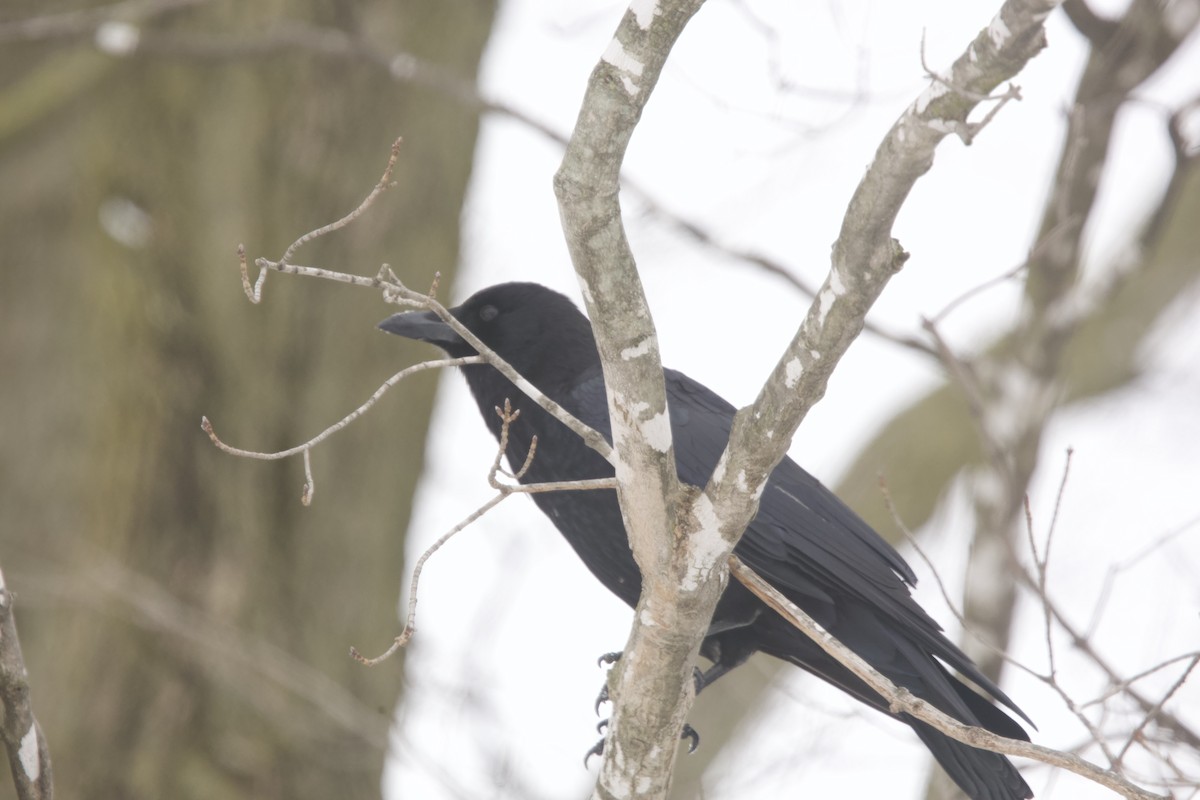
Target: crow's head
[[535, 329]]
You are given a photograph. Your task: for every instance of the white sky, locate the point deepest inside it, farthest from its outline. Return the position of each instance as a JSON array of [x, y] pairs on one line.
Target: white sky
[[502, 671]]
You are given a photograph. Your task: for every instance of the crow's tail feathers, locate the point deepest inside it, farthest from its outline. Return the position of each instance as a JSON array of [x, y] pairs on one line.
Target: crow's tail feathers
[[983, 775]]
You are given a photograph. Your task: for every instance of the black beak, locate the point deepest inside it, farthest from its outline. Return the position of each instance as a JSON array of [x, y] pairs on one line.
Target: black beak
[[424, 326]]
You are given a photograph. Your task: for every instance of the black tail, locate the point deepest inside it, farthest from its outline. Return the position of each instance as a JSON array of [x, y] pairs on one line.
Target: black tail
[[981, 774]]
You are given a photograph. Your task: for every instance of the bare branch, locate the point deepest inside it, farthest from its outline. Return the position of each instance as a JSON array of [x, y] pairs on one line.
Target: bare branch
[[1154, 712], [900, 700], [24, 742], [385, 183], [644, 728], [503, 490], [865, 257], [306, 448]]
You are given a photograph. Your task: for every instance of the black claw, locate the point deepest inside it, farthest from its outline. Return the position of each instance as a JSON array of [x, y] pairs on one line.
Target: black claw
[[609, 658], [601, 698], [697, 679], [597, 750], [689, 732], [601, 725]]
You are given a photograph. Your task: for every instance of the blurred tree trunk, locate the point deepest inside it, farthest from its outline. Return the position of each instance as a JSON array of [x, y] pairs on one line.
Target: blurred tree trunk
[[186, 622]]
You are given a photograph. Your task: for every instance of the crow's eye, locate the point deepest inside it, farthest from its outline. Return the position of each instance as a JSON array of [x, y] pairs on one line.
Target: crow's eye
[[488, 313]]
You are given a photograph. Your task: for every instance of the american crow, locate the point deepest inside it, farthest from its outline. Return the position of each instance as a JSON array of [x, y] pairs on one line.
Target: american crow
[[804, 540]]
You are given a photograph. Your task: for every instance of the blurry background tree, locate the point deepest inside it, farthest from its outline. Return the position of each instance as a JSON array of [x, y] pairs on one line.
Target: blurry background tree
[[186, 619]]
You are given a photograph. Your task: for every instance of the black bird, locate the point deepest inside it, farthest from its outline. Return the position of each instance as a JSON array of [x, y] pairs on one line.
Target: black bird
[[804, 540]]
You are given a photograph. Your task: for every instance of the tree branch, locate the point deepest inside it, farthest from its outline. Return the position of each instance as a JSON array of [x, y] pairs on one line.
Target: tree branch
[[865, 257], [28, 753], [650, 679], [901, 701]]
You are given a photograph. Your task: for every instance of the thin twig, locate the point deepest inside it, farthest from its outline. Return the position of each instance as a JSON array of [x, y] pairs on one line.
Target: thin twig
[[305, 449], [1153, 712], [958, 614], [902, 701], [385, 182], [394, 291], [967, 131], [1035, 252], [1123, 686], [410, 626], [507, 417], [207, 427]]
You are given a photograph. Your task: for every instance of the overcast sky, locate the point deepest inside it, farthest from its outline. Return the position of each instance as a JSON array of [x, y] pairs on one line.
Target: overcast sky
[[490, 692]]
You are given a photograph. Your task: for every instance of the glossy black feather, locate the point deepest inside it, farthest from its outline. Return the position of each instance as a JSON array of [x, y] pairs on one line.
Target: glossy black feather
[[804, 540]]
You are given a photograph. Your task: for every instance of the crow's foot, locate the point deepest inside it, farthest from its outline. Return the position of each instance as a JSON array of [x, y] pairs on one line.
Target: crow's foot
[[609, 658], [603, 697], [688, 732]]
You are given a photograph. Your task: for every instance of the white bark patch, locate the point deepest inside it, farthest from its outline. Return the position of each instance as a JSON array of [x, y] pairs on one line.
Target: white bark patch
[[941, 126], [743, 485], [835, 282], [644, 12], [1022, 399], [628, 66], [719, 473], [825, 300], [658, 432], [931, 93], [988, 488], [647, 619], [31, 763], [705, 545], [793, 370], [643, 785], [998, 32], [615, 769], [637, 351]]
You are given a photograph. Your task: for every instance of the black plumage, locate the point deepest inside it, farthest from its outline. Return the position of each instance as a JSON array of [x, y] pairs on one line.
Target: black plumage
[[804, 540]]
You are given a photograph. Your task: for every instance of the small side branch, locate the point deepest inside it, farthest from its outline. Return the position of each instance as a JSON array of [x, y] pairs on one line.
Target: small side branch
[[254, 293], [306, 448], [503, 490], [902, 701]]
